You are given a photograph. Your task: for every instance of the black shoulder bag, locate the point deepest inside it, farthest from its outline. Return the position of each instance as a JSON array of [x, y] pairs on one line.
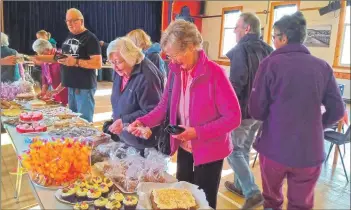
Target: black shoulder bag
[[164, 144]]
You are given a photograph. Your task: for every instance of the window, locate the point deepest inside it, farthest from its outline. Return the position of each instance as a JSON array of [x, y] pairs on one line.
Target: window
[[342, 48], [227, 37], [279, 9], [345, 52]]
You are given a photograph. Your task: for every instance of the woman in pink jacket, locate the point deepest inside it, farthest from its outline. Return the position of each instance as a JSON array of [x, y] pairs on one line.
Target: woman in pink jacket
[[203, 102]]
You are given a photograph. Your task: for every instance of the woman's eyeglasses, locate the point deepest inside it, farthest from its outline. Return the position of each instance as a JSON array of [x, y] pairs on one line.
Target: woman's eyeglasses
[[275, 36]]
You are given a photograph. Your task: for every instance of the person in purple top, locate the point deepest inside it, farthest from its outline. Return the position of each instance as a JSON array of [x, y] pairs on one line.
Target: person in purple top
[[289, 89]]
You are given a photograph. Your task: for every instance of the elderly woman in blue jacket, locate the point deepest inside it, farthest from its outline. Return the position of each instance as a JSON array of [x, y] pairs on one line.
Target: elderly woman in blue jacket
[[136, 90]]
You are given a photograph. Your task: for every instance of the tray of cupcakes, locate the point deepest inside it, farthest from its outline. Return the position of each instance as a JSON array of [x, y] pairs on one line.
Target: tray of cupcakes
[[95, 191]]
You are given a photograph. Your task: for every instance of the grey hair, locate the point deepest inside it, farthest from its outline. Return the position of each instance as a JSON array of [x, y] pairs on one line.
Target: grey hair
[[4, 40], [76, 12], [40, 45], [293, 27], [181, 34], [128, 50], [253, 21]]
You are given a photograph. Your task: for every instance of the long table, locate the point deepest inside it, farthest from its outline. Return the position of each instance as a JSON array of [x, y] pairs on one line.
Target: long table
[[45, 197]]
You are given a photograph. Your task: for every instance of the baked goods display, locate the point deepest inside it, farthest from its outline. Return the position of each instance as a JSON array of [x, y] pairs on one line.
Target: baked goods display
[[10, 105], [81, 206], [130, 202], [31, 127], [54, 111], [75, 132], [128, 172], [172, 199], [11, 112], [9, 91], [73, 122], [12, 121], [31, 116], [25, 96]]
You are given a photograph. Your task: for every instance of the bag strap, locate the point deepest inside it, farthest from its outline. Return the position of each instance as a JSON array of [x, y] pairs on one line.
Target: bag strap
[[169, 96]]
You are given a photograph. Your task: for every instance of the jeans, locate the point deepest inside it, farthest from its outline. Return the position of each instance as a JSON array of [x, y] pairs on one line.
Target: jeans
[[243, 138], [301, 183], [82, 101]]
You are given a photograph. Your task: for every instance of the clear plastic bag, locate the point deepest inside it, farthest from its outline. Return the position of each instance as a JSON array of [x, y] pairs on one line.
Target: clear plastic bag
[[145, 131]]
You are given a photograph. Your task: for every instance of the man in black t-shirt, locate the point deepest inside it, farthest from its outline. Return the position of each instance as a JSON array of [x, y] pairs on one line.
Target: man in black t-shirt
[[78, 70]]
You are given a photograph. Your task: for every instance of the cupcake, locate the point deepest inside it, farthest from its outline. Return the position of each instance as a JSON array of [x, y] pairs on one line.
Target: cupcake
[[93, 194], [130, 202], [108, 182], [81, 206], [81, 194], [68, 194], [113, 205], [90, 185], [117, 196], [79, 183], [100, 203], [96, 180], [104, 189]]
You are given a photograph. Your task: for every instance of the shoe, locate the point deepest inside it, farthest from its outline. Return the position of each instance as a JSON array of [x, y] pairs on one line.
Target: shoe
[[253, 202], [231, 187]]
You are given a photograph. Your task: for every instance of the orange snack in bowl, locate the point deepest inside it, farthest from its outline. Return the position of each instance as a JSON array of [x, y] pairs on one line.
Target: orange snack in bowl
[[57, 162]]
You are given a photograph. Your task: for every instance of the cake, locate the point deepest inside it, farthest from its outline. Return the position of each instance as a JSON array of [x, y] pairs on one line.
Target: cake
[[31, 116], [33, 127], [81, 206], [172, 199], [113, 205], [93, 194], [25, 96], [61, 124], [80, 183], [37, 104], [117, 196], [104, 189], [96, 180], [130, 202], [100, 203], [68, 194], [108, 182], [81, 194]]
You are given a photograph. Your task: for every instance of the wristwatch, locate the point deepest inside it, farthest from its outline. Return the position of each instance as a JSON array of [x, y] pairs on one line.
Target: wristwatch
[[77, 63]]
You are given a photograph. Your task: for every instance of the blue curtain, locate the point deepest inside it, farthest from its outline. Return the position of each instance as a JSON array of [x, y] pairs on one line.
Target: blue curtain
[[107, 19]]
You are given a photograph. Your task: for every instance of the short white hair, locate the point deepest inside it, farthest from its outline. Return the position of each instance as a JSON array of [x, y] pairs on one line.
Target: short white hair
[[40, 45], [4, 40], [128, 50], [76, 12]]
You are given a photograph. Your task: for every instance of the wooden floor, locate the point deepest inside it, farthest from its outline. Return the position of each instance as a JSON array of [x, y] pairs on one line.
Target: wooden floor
[[332, 191]]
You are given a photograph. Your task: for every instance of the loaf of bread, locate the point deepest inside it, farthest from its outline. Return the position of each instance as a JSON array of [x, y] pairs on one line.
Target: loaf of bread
[[172, 199]]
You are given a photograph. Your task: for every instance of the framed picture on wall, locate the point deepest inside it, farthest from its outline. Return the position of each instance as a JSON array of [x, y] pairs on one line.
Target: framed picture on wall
[[318, 36]]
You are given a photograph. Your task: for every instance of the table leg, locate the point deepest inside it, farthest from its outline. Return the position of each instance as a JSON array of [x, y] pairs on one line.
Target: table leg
[[18, 176], [336, 155]]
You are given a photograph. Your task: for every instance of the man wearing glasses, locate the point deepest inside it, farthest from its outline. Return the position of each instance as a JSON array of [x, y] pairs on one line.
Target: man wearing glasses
[[78, 69], [245, 58]]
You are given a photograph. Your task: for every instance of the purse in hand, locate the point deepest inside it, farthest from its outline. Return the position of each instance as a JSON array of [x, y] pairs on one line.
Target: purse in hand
[[164, 144]]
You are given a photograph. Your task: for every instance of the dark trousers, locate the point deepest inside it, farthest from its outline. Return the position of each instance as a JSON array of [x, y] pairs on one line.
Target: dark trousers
[[206, 176]]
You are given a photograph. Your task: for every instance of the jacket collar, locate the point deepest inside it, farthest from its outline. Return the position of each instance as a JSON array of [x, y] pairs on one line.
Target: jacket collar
[[200, 66], [137, 68], [291, 48], [249, 37]]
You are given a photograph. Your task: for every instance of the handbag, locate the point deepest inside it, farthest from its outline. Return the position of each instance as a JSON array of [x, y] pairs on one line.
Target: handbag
[[164, 142], [105, 128]]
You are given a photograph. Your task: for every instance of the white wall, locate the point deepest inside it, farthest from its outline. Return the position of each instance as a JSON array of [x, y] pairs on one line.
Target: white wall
[[211, 27]]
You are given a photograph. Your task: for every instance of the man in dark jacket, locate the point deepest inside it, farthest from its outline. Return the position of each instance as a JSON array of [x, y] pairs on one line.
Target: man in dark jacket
[[245, 58]]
